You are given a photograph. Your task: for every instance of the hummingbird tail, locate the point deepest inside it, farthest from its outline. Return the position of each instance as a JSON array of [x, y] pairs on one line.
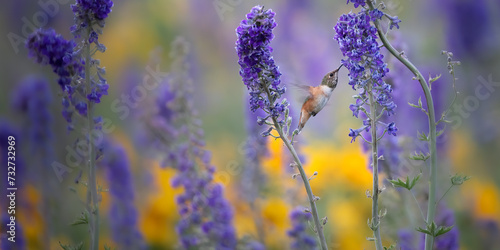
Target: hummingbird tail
[[304, 116]]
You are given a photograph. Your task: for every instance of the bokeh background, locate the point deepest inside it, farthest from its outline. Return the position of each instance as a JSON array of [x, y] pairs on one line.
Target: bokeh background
[[139, 33]]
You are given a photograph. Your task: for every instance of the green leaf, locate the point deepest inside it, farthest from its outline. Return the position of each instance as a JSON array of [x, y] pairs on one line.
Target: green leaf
[[413, 105], [457, 179], [434, 230], [440, 132], [408, 184], [420, 101], [372, 225], [425, 231], [420, 157], [443, 230], [391, 247], [431, 80], [70, 247], [81, 220], [422, 136], [106, 247], [414, 181]]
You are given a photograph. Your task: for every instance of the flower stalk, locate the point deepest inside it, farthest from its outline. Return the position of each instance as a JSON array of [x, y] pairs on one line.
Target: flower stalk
[[305, 179], [375, 193], [92, 194], [310, 196], [431, 207], [261, 76]]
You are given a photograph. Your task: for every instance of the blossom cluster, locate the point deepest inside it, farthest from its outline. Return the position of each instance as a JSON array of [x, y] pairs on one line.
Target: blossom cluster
[[255, 149], [90, 12], [205, 215], [32, 97], [357, 38], [48, 47], [301, 240], [68, 61], [258, 69], [450, 240], [123, 214]]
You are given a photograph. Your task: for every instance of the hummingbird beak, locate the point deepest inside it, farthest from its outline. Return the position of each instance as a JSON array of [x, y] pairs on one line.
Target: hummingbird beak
[[340, 67]]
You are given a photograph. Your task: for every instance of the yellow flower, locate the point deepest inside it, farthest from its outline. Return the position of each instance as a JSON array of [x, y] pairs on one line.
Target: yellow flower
[[159, 215]]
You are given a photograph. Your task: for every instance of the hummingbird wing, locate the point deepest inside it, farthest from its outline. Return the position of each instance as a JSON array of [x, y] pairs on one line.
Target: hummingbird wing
[[305, 90]]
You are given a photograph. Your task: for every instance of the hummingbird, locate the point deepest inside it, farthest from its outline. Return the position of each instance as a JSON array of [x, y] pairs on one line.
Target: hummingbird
[[318, 97]]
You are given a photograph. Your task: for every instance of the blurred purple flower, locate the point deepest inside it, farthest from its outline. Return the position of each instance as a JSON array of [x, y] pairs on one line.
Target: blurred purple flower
[[488, 234], [447, 241], [357, 3], [406, 240], [33, 98], [254, 149], [300, 238], [254, 245], [123, 215], [471, 36], [206, 216]]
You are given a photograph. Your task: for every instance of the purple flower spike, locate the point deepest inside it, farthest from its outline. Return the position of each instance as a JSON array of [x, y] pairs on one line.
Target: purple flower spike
[[258, 69], [357, 38], [300, 238]]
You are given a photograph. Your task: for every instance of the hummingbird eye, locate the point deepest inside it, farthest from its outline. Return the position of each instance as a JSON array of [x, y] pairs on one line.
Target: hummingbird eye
[[331, 74]]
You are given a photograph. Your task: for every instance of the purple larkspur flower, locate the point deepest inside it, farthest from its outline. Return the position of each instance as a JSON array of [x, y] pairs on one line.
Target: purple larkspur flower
[[357, 3], [446, 217], [298, 233], [258, 69], [255, 245], [48, 47], [469, 37], [89, 10], [406, 240], [448, 241], [357, 38], [89, 22], [206, 217], [254, 150], [33, 98], [122, 213]]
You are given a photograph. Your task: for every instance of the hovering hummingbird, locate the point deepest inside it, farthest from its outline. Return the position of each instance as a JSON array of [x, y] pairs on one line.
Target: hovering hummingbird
[[318, 97]]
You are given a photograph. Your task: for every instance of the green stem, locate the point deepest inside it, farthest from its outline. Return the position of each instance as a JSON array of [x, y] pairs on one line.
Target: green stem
[[92, 183], [375, 218], [431, 208], [444, 195], [418, 205], [305, 179], [259, 225]]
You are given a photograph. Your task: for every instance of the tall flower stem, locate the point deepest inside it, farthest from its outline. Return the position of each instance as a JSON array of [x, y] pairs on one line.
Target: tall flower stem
[[431, 208], [305, 179], [374, 142], [92, 183]]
